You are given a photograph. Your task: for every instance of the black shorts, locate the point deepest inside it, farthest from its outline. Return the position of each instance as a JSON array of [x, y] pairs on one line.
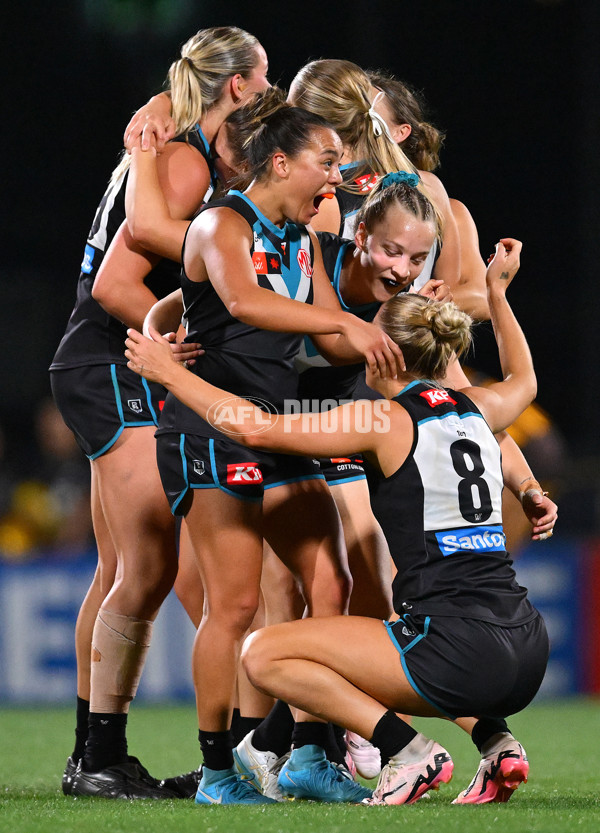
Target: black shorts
[[471, 668], [342, 469], [98, 401], [191, 461]]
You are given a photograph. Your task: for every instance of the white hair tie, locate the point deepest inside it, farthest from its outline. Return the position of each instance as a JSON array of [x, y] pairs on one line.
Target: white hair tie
[[380, 125]]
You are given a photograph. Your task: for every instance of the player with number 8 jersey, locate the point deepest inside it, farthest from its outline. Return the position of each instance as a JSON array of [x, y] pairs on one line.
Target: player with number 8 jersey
[[452, 480]]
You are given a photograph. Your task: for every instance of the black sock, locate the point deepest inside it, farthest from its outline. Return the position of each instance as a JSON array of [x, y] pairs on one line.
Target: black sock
[[340, 737], [310, 733], [243, 727], [332, 747], [235, 720], [106, 744], [216, 749], [274, 734], [485, 728], [391, 734], [81, 729]]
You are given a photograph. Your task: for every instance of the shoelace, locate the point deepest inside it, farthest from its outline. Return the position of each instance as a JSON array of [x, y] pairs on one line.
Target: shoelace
[[241, 789]]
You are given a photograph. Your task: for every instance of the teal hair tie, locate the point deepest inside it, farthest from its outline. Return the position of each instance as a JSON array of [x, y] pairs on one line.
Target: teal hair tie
[[400, 176]]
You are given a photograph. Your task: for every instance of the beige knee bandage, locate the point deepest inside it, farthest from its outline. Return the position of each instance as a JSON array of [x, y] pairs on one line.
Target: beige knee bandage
[[119, 648]]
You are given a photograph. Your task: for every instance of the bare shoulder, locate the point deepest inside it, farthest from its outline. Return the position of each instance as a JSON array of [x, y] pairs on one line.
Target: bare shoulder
[[461, 213], [434, 183], [394, 437], [184, 176], [220, 222]]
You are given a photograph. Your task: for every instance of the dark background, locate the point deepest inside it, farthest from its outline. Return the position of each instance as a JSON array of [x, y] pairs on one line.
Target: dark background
[[514, 83]]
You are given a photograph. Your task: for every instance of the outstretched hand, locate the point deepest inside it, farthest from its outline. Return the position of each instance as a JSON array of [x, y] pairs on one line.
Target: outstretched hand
[[151, 358], [504, 264]]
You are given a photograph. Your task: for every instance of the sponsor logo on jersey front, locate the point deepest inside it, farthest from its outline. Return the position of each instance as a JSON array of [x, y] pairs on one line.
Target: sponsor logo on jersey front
[[435, 396], [266, 263], [242, 473], [135, 405], [476, 539], [304, 262]]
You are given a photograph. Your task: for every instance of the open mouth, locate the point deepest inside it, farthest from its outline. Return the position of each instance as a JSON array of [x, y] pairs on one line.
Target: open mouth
[[320, 197], [390, 283]]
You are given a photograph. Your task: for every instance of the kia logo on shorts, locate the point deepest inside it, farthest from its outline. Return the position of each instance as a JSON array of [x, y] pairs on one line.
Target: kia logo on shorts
[[244, 473]]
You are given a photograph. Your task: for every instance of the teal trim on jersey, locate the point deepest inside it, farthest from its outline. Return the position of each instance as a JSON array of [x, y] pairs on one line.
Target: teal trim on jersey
[[218, 484], [146, 387], [332, 483], [409, 677], [203, 138], [412, 385], [292, 275], [359, 311], [185, 474], [279, 231], [372, 306], [214, 179], [349, 165], [295, 480]]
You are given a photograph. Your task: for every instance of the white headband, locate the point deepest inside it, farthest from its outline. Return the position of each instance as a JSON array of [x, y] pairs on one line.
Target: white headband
[[380, 125]]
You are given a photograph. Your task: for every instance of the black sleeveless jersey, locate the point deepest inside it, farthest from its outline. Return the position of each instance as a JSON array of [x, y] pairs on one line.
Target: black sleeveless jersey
[[320, 380], [240, 357], [441, 514], [92, 335]]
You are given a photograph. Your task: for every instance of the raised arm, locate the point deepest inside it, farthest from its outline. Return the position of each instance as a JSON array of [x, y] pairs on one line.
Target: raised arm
[[162, 194], [447, 266], [470, 293], [502, 402]]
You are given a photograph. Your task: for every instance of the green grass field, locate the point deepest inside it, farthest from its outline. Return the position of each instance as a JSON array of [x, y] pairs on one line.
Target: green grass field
[[561, 738]]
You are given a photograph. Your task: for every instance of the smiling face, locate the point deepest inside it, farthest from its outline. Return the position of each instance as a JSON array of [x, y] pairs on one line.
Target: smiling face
[[312, 174], [393, 253]]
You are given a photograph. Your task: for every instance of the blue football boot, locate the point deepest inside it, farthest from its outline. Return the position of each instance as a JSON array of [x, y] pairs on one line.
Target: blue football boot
[[308, 774]]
